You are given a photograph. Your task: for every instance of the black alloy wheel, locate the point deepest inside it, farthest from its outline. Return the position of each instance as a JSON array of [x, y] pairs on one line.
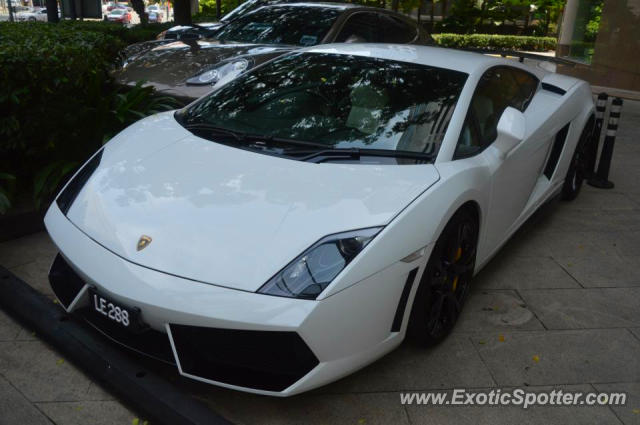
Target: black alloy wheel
[[446, 280]]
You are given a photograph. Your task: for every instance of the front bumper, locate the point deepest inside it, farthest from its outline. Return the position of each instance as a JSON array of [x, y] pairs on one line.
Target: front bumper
[[238, 339]]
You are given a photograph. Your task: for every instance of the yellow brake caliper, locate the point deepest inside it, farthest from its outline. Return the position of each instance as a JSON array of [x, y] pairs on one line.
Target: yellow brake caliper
[[455, 279]]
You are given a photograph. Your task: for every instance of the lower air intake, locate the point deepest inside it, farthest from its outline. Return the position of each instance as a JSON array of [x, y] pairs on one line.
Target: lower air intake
[[64, 281], [263, 360]]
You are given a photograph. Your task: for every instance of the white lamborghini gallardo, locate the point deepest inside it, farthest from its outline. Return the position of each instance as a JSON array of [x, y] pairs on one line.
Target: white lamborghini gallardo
[[300, 221]]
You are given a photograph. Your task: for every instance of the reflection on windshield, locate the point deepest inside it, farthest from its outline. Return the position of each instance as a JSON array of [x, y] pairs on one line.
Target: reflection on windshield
[[300, 26], [341, 101], [242, 9]]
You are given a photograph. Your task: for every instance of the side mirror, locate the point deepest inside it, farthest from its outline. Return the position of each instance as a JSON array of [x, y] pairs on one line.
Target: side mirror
[[511, 131]]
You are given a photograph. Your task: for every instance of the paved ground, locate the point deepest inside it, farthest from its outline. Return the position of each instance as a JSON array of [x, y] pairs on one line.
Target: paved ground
[[558, 307]]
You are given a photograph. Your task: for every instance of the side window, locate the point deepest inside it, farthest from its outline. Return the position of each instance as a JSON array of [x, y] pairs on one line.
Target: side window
[[360, 28], [395, 30], [498, 88], [468, 143], [491, 98], [526, 87]]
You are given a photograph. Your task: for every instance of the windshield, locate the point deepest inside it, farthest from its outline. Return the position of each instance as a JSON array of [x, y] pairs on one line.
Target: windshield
[[340, 101], [117, 12], [242, 9], [301, 26]]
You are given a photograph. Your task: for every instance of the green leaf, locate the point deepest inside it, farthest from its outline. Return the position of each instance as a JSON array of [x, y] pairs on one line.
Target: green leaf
[[5, 204]]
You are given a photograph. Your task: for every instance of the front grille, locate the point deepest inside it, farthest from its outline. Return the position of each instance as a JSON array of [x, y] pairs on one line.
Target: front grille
[[64, 281], [264, 360]]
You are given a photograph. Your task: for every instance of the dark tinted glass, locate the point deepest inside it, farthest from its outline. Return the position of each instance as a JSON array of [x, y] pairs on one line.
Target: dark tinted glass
[[525, 86], [396, 30], [245, 7], [361, 27], [497, 89], [468, 143], [302, 26], [339, 100]]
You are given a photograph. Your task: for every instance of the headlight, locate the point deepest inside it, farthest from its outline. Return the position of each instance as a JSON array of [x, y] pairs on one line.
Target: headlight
[[213, 75], [311, 272]]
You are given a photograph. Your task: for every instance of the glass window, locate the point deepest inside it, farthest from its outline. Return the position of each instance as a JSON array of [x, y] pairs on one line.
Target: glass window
[[498, 88], [245, 7], [360, 27], [395, 30], [468, 144], [301, 26], [526, 86], [340, 101]]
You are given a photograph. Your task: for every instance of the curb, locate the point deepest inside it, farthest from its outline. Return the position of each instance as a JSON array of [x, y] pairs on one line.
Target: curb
[[151, 395]]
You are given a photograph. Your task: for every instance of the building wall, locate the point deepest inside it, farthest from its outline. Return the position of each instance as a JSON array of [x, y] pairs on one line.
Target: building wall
[[616, 57]]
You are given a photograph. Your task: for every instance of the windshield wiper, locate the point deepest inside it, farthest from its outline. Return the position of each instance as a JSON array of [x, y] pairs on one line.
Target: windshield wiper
[[214, 130], [337, 154], [249, 139], [315, 152]]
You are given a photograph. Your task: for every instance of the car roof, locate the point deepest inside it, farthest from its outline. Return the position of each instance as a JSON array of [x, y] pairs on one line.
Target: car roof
[[457, 60], [323, 5]]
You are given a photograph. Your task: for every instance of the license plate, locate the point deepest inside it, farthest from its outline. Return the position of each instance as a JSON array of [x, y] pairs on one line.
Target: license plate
[[112, 311]]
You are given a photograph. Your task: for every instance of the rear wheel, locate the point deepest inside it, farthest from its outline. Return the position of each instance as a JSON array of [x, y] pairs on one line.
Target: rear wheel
[[577, 171], [445, 282]]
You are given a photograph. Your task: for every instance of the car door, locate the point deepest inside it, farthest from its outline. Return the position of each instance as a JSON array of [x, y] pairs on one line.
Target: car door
[[513, 177]]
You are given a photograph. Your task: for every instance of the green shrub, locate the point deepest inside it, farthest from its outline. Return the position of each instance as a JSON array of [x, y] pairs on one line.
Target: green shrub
[[126, 35], [209, 16], [490, 41], [58, 102]]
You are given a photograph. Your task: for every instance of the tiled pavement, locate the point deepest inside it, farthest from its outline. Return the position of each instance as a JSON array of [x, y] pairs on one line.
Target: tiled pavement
[[558, 307]]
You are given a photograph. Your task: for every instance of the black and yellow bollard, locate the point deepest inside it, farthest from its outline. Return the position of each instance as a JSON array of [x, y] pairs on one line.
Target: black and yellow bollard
[[601, 178]]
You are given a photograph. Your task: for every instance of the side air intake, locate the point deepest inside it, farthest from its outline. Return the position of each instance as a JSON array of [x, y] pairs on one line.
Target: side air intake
[[556, 150], [553, 89]]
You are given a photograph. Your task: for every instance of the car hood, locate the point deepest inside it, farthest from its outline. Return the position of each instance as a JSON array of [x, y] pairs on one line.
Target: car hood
[[167, 65], [227, 216]]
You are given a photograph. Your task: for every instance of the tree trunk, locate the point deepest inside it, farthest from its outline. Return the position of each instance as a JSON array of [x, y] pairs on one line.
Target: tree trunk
[[73, 15], [52, 10], [433, 7], [182, 12], [218, 9], [546, 22], [10, 6], [444, 9], [395, 4], [138, 6], [483, 11]]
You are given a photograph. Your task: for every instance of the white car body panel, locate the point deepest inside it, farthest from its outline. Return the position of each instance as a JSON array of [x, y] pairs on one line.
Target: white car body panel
[[164, 298], [225, 220], [220, 188]]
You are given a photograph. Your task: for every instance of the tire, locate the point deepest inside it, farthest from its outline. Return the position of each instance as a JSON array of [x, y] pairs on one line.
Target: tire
[[444, 285], [577, 171]]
